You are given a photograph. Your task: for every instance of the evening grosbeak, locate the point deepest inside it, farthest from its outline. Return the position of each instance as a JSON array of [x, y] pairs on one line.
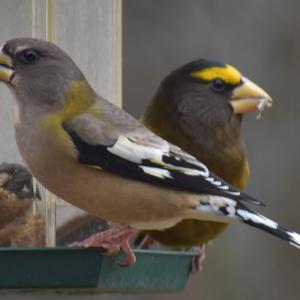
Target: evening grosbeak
[[20, 182], [96, 156], [199, 107], [17, 198]]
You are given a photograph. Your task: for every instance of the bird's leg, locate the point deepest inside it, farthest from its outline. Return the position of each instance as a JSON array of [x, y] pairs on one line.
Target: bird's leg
[[198, 259], [112, 241], [143, 241], [130, 257]]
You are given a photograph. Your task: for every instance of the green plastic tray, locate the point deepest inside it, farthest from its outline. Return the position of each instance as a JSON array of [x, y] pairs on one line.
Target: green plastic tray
[[70, 270]]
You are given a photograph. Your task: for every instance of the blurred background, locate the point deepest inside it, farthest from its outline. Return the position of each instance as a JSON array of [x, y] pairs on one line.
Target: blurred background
[[261, 38]]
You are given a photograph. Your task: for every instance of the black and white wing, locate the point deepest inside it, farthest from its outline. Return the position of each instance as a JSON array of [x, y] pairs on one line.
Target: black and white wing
[[153, 161]]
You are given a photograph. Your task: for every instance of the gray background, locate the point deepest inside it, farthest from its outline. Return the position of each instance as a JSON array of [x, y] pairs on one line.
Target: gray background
[[261, 38]]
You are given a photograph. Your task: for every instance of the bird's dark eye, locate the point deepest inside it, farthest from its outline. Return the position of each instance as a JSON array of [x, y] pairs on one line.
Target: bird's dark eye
[[218, 85], [29, 56]]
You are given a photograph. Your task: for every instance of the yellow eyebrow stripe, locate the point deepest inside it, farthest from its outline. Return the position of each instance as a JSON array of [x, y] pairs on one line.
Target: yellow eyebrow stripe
[[228, 73]]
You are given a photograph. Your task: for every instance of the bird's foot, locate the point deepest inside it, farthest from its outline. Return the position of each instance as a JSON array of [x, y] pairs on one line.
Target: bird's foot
[[198, 259], [112, 241]]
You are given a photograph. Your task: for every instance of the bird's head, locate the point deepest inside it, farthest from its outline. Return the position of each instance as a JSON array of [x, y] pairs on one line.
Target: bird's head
[[38, 71], [209, 92]]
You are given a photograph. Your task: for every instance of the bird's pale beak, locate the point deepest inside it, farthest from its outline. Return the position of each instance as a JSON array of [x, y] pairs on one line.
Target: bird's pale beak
[[249, 97], [6, 69]]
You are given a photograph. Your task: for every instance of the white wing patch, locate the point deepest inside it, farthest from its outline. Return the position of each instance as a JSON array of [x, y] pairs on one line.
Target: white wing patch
[[233, 193], [295, 237], [210, 179], [157, 172], [219, 185], [213, 204], [135, 152], [188, 171], [257, 218]]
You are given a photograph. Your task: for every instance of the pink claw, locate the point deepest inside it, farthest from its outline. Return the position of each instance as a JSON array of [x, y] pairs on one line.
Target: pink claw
[[112, 241]]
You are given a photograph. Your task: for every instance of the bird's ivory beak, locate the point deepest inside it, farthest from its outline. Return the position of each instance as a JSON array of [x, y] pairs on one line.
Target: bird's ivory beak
[[249, 97], [6, 70]]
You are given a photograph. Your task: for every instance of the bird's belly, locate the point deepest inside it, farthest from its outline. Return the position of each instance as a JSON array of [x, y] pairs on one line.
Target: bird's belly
[[112, 197], [188, 233]]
